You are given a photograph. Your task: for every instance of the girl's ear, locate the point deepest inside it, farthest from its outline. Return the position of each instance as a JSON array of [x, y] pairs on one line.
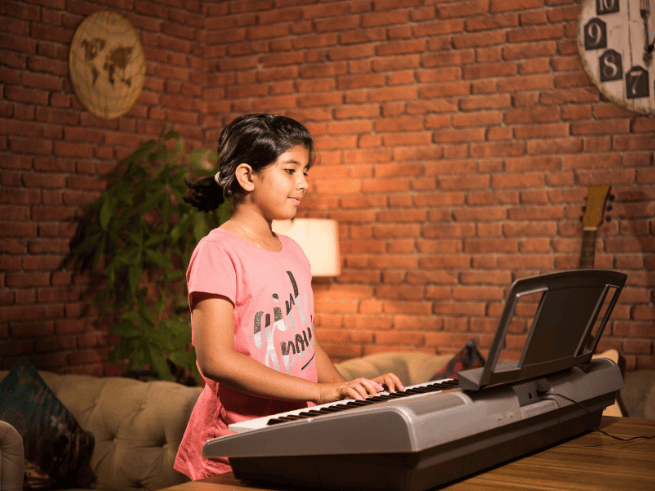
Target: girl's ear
[[244, 176]]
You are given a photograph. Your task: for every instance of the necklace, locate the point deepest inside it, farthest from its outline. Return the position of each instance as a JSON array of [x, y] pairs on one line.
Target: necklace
[[247, 234]]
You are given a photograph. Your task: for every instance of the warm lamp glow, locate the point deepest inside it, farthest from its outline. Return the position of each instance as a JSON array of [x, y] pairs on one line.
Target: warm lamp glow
[[319, 239]]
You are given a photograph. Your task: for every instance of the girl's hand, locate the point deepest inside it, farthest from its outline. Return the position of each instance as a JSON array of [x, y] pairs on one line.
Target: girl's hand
[[359, 388], [391, 381]]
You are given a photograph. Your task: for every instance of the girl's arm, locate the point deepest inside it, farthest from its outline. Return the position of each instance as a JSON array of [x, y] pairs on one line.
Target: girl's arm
[[217, 360]]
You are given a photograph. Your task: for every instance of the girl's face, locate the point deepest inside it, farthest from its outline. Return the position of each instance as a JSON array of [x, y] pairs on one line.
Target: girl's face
[[280, 186]]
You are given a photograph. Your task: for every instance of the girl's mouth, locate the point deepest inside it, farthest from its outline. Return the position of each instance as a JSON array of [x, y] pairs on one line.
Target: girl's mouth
[[295, 201]]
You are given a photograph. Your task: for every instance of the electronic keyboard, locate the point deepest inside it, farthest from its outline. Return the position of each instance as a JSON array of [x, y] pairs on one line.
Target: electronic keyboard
[[435, 433], [418, 441]]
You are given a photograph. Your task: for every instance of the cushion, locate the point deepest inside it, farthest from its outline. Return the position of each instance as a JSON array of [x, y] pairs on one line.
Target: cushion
[[57, 449], [468, 357]]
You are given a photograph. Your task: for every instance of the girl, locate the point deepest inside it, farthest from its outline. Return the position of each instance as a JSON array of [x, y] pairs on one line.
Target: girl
[[250, 293]]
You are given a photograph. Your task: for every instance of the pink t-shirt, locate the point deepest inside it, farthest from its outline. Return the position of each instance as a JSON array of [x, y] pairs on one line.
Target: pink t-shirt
[[273, 324]]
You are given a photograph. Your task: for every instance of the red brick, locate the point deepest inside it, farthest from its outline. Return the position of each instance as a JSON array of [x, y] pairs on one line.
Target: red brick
[[42, 262], [533, 33], [18, 229], [399, 338], [21, 313], [372, 322]]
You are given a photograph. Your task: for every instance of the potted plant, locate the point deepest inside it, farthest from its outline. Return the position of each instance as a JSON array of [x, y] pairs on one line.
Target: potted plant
[[144, 233]]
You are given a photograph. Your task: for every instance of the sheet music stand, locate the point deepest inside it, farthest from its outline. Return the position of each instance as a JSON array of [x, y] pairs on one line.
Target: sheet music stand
[[560, 336]]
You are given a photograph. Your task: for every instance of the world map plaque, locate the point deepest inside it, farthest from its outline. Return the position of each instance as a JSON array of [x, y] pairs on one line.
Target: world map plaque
[[107, 64]]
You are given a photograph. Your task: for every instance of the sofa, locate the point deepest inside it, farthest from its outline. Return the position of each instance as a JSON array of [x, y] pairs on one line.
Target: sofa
[[138, 425]]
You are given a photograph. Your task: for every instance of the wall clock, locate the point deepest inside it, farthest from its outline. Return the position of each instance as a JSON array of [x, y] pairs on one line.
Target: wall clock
[[615, 43]]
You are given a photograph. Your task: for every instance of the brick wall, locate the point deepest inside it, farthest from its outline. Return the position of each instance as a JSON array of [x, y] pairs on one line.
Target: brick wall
[[457, 140]]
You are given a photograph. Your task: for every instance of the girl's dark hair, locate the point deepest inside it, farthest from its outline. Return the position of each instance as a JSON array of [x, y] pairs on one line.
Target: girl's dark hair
[[255, 139]]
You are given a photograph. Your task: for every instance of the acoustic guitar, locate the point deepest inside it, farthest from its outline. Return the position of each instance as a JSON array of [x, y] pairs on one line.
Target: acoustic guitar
[[594, 211], [593, 216]]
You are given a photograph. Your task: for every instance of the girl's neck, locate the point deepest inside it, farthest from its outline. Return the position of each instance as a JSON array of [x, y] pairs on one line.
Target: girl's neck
[[254, 228]]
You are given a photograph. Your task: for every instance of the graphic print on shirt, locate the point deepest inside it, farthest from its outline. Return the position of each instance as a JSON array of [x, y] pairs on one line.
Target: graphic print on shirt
[[299, 340]]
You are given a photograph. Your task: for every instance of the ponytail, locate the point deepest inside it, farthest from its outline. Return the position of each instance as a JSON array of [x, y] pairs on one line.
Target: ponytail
[[204, 193]]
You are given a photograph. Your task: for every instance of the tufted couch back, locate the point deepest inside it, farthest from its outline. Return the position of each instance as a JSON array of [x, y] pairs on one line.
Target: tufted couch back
[[137, 426]]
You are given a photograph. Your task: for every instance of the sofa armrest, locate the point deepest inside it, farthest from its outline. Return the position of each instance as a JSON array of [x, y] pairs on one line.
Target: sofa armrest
[[12, 458]]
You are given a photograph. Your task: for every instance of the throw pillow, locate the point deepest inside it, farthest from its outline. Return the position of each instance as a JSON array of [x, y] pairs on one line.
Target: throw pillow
[[57, 450], [468, 357]]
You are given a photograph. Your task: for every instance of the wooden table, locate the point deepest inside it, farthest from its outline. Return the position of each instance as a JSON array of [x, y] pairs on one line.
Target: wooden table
[[589, 462]]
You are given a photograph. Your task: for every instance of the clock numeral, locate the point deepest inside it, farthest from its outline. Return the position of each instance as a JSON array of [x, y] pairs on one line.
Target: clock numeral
[[606, 6], [595, 34], [636, 83], [611, 66]]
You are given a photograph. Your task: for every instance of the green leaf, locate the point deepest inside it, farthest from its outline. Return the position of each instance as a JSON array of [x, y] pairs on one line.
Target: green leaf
[[200, 227], [179, 228], [171, 134], [179, 145], [127, 330], [140, 154], [105, 213], [147, 313], [156, 240], [158, 362], [161, 154], [152, 199], [162, 340], [129, 254], [121, 352], [158, 258], [138, 358], [173, 275], [134, 276], [166, 210], [160, 304], [180, 329], [182, 358], [137, 318], [201, 156]]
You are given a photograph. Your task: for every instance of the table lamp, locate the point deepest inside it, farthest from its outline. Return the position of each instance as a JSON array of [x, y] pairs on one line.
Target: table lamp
[[319, 239]]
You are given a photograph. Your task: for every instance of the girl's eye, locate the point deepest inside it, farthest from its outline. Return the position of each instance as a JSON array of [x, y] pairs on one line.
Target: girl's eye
[[290, 171]]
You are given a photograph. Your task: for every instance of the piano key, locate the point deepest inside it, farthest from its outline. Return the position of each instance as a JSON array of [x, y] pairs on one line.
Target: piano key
[[418, 389], [352, 404]]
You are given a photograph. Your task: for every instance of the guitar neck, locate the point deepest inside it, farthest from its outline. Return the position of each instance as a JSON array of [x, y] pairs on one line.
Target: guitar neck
[[588, 249]]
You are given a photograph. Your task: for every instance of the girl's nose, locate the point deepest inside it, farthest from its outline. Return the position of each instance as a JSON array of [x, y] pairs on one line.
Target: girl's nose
[[302, 183]]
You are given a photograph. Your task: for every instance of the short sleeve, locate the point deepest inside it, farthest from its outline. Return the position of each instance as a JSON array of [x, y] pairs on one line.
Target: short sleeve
[[211, 270]]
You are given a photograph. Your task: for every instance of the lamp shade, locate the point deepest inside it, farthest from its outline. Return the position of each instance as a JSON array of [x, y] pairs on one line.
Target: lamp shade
[[319, 239]]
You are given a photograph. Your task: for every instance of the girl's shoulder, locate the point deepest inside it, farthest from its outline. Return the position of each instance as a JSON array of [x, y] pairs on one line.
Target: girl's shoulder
[[219, 236], [217, 240], [216, 234]]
